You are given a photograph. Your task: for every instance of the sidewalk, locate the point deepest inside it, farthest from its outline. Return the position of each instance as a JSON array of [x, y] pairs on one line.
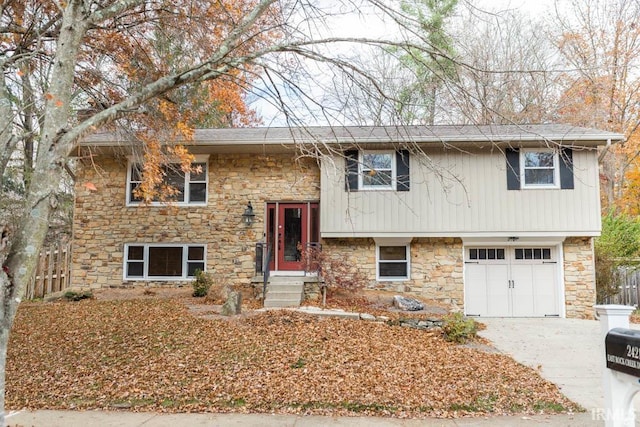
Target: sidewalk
[[142, 419]]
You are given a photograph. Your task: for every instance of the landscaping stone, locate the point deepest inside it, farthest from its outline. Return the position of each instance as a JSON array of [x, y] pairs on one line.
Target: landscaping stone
[[407, 304], [367, 316], [233, 304], [423, 324]]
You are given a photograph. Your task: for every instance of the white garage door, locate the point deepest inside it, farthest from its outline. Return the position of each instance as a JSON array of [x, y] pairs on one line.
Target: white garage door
[[511, 282]]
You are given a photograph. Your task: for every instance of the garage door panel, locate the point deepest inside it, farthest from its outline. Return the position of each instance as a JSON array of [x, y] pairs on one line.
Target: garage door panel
[[522, 290], [546, 292], [511, 282], [475, 296], [497, 290]]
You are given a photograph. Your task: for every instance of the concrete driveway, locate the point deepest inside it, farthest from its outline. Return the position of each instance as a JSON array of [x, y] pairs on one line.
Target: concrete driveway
[[566, 352]]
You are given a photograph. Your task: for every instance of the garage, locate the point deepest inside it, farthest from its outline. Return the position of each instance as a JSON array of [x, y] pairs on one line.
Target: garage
[[512, 281]]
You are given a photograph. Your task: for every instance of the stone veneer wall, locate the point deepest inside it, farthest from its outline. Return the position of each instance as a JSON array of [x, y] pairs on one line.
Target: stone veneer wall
[[579, 277], [103, 223], [436, 266]]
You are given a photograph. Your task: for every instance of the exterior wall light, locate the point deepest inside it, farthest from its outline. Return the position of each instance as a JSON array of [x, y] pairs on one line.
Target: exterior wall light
[[248, 216]]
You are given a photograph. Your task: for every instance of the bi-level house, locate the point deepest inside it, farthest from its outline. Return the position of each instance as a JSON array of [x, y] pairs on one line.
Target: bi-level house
[[498, 220]]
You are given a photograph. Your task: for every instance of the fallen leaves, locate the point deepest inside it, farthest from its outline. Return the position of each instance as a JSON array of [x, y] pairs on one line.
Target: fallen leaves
[[151, 354]]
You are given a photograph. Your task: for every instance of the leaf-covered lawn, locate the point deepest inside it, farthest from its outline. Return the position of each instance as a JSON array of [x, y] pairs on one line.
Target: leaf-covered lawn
[[154, 355]]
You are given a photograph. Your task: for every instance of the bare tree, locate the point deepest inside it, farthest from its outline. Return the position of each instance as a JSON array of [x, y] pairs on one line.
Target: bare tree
[[71, 68], [509, 77]]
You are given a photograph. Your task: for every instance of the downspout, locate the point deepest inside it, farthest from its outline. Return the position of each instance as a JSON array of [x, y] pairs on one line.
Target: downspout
[[604, 151]]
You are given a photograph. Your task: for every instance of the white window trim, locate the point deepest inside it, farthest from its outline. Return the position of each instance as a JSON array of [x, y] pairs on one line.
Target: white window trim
[[556, 169], [407, 261], [145, 261], [202, 158], [391, 186]]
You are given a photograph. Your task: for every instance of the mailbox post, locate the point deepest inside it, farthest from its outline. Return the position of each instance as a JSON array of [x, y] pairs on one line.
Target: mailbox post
[[622, 373]]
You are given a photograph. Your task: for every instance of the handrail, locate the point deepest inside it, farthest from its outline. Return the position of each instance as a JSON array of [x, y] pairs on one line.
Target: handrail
[[267, 271], [262, 264]]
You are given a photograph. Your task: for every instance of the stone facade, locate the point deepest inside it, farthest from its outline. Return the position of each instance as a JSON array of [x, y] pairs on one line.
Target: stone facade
[[103, 223], [436, 266], [579, 277]]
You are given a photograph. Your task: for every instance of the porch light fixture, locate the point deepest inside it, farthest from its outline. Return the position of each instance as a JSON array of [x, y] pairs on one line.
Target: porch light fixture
[[248, 216]]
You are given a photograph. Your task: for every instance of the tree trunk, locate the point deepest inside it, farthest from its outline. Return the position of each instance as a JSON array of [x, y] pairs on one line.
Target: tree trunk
[[4, 341]]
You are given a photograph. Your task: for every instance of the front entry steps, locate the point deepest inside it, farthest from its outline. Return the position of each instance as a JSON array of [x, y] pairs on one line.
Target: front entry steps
[[284, 292]]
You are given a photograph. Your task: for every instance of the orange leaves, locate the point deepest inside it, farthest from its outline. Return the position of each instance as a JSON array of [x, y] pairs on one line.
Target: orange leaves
[[90, 186], [153, 355]]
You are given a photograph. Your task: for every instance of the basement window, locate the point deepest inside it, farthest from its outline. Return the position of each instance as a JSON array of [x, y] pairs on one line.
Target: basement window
[[393, 262], [162, 262]]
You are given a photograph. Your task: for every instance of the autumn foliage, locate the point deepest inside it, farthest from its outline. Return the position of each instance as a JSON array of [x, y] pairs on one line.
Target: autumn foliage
[[153, 355]]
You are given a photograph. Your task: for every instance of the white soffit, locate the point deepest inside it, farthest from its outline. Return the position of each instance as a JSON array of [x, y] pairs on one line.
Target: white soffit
[[392, 241]]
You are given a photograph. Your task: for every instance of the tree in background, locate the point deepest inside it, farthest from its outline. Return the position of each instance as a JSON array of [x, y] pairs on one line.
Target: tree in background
[[430, 68], [509, 78], [600, 44]]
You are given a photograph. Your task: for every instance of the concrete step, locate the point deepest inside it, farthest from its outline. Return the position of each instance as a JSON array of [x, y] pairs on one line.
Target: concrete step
[[274, 303], [285, 287], [284, 292]]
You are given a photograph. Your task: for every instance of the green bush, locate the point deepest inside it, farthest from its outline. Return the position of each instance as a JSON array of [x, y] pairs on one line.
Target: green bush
[[202, 284], [458, 328], [617, 246]]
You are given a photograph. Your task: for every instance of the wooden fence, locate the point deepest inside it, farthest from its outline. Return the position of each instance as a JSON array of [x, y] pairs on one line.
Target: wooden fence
[[53, 272], [628, 279]]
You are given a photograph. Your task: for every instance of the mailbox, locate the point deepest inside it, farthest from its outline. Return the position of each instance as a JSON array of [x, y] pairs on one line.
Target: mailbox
[[622, 348]]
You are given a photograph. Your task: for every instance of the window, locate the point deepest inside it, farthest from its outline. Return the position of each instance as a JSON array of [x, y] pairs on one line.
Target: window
[[191, 187], [539, 168], [393, 262], [533, 253], [377, 170], [162, 262], [486, 253]]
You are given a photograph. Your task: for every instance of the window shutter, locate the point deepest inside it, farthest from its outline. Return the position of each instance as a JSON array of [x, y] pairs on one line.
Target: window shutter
[[351, 172], [402, 171], [513, 169], [566, 168]]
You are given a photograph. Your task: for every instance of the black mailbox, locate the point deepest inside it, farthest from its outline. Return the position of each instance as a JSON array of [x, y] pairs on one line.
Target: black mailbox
[[622, 348]]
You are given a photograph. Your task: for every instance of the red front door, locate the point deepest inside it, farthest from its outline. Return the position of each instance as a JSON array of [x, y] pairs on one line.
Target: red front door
[[288, 229]]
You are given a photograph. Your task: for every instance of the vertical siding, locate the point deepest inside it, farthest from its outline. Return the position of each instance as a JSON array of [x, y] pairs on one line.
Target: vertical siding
[[460, 193]]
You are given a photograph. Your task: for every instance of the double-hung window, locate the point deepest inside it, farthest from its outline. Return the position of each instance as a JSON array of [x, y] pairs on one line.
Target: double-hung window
[[393, 262], [539, 169], [183, 188], [162, 262], [377, 170]]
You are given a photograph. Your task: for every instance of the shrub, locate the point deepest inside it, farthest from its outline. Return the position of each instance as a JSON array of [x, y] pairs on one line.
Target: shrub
[[77, 296], [201, 284], [336, 273], [616, 247], [458, 328]]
